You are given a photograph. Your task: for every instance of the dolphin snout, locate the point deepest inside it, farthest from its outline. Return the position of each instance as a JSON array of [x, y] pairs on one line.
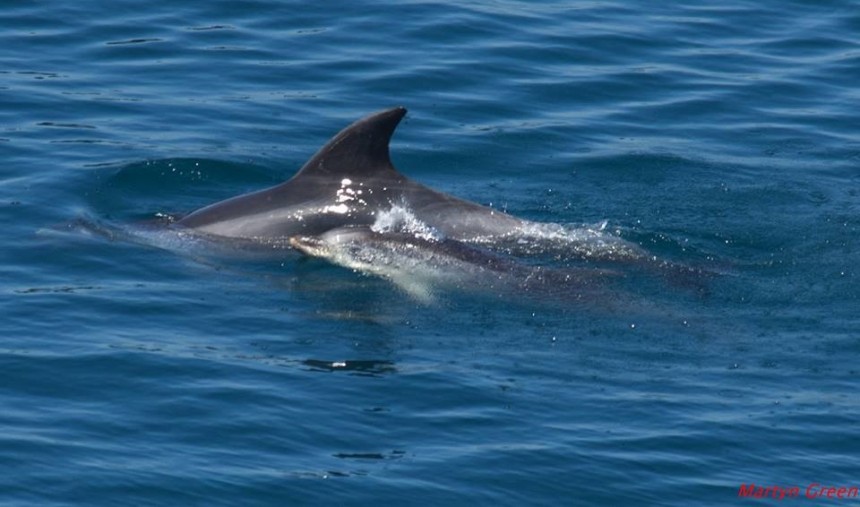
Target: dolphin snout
[[309, 245]]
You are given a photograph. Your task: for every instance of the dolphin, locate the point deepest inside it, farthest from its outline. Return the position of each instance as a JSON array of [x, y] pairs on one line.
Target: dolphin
[[421, 264], [349, 181]]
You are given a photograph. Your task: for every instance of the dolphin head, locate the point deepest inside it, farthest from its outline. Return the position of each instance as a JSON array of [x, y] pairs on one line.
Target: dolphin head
[[394, 256], [333, 243], [313, 246]]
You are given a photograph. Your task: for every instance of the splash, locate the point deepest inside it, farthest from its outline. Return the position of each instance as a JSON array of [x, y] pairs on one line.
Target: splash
[[531, 239], [400, 219]]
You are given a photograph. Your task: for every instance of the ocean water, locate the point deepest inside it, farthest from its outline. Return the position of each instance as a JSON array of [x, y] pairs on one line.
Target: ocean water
[[138, 370]]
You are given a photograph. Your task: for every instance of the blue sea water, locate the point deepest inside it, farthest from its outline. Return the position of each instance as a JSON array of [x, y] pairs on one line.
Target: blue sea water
[[718, 135]]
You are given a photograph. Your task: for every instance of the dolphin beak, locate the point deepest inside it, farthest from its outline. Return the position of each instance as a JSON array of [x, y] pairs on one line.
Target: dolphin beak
[[308, 245]]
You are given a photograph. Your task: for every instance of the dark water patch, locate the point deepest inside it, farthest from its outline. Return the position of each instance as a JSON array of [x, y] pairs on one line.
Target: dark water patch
[[133, 41], [65, 125], [66, 290], [88, 141], [370, 455], [41, 75], [210, 28]]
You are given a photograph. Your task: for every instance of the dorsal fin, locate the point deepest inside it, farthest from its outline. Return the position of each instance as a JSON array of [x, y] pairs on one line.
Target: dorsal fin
[[359, 150]]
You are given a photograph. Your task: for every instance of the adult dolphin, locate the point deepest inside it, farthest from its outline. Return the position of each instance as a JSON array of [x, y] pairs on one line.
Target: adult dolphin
[[349, 181]]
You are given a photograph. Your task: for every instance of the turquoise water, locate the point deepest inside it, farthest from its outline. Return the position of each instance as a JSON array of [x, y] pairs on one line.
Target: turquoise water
[[142, 373]]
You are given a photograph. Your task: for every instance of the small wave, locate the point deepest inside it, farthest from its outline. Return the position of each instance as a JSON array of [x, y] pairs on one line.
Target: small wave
[[156, 232], [153, 232], [566, 242]]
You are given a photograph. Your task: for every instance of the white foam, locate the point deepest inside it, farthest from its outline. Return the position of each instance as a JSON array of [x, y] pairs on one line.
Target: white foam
[[531, 238], [401, 219], [580, 240]]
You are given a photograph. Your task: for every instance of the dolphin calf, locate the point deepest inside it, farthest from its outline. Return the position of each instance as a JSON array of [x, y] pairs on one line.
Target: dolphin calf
[[420, 265], [349, 181]]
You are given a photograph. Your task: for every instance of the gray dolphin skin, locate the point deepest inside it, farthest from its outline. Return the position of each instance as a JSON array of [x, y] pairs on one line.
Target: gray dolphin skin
[[362, 248], [421, 265], [347, 182]]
